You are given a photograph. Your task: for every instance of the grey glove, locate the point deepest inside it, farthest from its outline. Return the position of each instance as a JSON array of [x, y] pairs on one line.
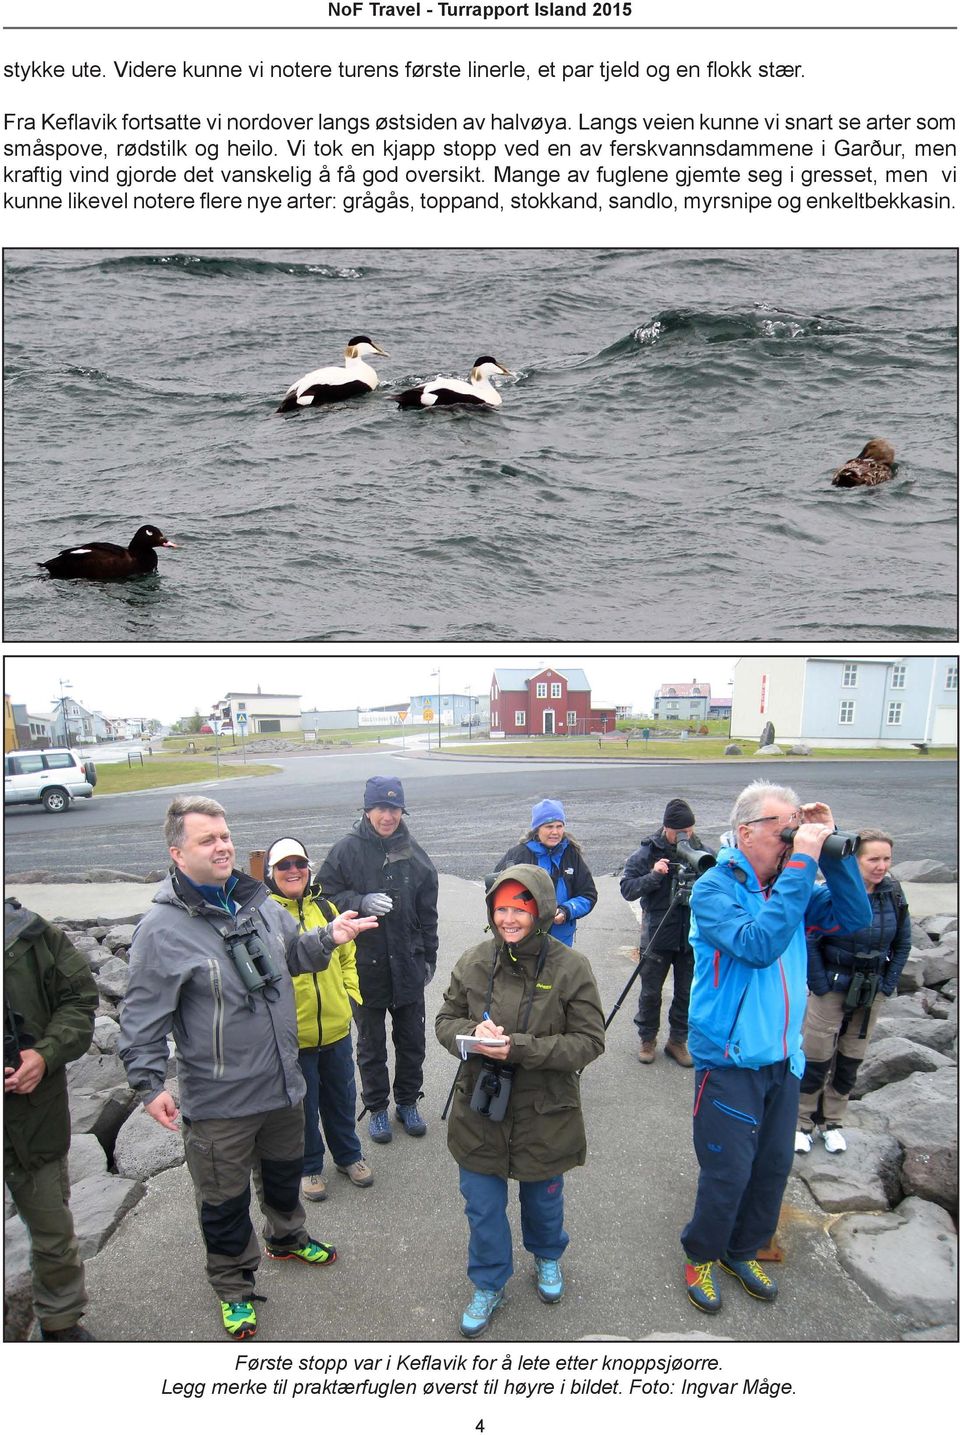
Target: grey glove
[[376, 904]]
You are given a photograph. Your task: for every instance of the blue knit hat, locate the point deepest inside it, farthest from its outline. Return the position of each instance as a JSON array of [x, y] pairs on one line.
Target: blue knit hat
[[549, 810], [383, 792]]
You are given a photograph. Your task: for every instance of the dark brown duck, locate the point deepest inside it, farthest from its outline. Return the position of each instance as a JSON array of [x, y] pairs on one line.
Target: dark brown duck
[[109, 562], [872, 465]]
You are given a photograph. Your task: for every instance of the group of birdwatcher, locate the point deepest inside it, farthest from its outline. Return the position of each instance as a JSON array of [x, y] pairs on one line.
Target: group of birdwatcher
[[260, 984]]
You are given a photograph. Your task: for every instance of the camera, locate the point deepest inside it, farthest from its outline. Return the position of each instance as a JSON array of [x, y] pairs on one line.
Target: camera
[[838, 844], [694, 861], [15, 1037], [492, 1090], [252, 960]]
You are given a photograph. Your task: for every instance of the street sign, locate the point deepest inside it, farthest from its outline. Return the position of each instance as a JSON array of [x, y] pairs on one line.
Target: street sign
[[403, 715], [428, 714], [242, 719]]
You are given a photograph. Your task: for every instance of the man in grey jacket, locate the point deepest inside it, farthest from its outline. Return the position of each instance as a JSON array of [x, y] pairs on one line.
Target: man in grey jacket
[[211, 962]]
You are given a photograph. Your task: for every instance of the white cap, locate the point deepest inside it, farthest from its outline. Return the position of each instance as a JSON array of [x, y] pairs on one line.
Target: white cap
[[286, 847]]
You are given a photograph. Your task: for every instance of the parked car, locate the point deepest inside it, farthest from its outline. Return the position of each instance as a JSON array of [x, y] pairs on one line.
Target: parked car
[[53, 777]]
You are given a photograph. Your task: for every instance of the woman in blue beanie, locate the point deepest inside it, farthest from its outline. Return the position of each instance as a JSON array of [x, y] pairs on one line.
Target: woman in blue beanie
[[550, 846]]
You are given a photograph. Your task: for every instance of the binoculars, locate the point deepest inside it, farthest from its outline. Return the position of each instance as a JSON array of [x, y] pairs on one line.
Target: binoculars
[[492, 1090], [252, 960], [838, 844]]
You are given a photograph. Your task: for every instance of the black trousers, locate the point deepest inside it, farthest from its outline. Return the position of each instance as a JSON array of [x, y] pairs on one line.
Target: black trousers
[[653, 974], [409, 1042]]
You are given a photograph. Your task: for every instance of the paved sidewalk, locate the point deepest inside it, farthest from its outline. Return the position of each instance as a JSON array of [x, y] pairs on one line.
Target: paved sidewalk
[[402, 1243]]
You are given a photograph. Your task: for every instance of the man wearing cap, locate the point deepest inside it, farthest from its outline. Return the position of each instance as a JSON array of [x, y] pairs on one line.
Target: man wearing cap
[[664, 939], [324, 1017], [550, 846], [379, 869]]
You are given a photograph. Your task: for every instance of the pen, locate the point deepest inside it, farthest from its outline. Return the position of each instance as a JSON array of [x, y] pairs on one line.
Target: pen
[[486, 1016]]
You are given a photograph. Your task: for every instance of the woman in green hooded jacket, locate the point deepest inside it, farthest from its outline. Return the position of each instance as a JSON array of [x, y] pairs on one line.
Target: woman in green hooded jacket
[[516, 1103]]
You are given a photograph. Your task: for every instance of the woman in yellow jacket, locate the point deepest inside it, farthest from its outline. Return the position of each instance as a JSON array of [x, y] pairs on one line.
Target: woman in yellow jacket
[[324, 1016]]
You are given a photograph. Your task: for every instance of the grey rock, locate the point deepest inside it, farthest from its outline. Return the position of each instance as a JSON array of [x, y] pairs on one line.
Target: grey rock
[[945, 1333], [940, 965], [892, 1059], [865, 1177], [949, 989], [54, 879], [921, 1112], [38, 874], [83, 941], [96, 1071], [911, 978], [940, 1008], [113, 978], [919, 939], [799, 749], [99, 1203], [86, 1158], [119, 936], [925, 870], [906, 1260], [101, 1113], [769, 749], [940, 1035], [110, 874], [144, 1147], [939, 927], [106, 1034], [731, 750]]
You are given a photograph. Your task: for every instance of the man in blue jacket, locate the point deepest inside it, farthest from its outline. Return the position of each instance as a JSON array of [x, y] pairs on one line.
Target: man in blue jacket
[[748, 919]]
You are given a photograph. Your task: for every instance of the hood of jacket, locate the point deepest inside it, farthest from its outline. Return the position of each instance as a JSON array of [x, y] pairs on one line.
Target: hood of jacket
[[312, 889], [539, 885]]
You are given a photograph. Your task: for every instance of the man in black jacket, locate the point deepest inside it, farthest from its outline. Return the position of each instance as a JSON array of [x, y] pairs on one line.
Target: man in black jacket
[[649, 875], [380, 871]]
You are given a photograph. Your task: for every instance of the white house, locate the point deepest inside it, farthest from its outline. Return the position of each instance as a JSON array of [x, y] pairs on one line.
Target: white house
[[847, 702]]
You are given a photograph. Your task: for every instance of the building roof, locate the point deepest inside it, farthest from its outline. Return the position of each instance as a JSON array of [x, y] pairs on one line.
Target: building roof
[[515, 680], [291, 696], [684, 690]]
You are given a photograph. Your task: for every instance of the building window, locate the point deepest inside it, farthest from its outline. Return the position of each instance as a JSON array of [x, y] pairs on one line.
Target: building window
[[847, 710], [898, 677], [951, 681], [495, 720], [555, 690], [519, 719], [541, 690], [849, 675], [571, 719], [894, 714]]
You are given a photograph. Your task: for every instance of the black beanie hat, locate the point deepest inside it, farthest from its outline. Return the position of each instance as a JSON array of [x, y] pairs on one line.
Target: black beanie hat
[[678, 814]]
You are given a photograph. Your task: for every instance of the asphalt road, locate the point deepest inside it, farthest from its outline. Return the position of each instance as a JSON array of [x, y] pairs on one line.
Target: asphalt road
[[466, 812]]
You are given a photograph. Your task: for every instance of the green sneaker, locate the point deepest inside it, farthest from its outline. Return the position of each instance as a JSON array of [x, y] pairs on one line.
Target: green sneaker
[[239, 1319], [313, 1253]]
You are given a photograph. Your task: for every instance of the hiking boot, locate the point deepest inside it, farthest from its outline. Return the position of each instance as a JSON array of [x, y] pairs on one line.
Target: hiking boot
[[752, 1277], [313, 1187], [359, 1172], [803, 1141], [700, 1285], [380, 1127], [313, 1253], [239, 1319], [834, 1140], [476, 1317], [648, 1050], [678, 1050], [413, 1122], [549, 1280], [69, 1332]]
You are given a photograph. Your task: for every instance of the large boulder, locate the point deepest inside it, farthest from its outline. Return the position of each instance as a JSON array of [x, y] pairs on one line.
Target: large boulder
[[921, 1113], [96, 1071], [939, 966], [906, 1260], [769, 749], [99, 1204], [924, 870], [113, 979], [911, 978], [106, 1034], [926, 1029], [865, 1177], [893, 1059], [798, 749], [86, 1158], [939, 927], [731, 750], [119, 936], [144, 1147]]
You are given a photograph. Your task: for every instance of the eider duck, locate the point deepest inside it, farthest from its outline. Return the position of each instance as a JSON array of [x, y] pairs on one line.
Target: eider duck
[[454, 391], [108, 562], [326, 386], [872, 465]]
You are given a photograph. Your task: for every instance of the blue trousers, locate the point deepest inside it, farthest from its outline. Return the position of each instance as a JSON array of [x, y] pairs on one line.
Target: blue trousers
[[490, 1253], [743, 1129], [331, 1099]]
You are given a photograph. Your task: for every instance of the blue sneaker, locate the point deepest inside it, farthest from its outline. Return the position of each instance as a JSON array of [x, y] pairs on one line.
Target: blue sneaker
[[549, 1280], [751, 1276], [413, 1122], [380, 1127], [476, 1317]]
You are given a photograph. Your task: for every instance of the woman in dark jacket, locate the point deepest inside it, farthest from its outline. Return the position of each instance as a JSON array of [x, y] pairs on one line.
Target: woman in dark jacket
[[849, 977], [551, 847], [541, 996]]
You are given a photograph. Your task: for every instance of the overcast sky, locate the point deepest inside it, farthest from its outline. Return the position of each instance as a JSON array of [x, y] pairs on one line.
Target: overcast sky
[[168, 688]]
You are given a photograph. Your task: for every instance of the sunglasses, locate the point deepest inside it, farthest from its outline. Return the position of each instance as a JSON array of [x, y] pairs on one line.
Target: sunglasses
[[289, 864]]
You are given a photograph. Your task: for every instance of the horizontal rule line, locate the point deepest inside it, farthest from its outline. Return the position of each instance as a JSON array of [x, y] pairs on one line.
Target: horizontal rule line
[[599, 29]]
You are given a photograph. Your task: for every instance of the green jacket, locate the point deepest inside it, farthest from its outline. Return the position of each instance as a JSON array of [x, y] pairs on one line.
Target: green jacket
[[51, 988], [542, 1133], [323, 998]]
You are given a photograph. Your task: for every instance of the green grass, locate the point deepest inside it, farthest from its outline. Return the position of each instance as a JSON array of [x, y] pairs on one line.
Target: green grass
[[692, 749], [356, 737], [163, 771]]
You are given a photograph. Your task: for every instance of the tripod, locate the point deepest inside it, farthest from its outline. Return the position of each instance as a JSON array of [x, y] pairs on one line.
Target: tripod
[[679, 898]]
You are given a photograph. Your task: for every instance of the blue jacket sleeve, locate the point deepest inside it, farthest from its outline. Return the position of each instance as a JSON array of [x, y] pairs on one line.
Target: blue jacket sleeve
[[817, 979], [841, 904], [756, 938]]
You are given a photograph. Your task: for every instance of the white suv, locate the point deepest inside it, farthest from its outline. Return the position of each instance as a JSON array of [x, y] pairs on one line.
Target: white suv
[[53, 777]]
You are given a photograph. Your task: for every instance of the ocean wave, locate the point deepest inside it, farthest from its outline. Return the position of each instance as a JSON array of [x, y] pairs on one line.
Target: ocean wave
[[702, 326], [218, 266]]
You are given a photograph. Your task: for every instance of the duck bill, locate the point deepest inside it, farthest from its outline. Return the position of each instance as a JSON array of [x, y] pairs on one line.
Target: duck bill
[[382, 352], [167, 544], [509, 372]]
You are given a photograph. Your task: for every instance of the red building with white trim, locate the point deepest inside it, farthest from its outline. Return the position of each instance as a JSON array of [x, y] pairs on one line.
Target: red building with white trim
[[545, 702]]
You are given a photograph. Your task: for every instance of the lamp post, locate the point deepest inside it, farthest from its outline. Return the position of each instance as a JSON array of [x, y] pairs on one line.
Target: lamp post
[[63, 711], [436, 674], [467, 687]]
